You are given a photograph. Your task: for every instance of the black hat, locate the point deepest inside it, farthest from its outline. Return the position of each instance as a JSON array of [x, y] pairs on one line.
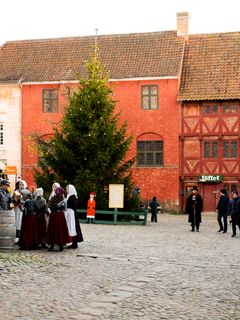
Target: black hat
[[5, 182], [195, 188]]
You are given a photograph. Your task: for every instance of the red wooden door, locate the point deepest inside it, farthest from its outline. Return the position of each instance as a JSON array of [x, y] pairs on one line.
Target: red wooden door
[[209, 197]]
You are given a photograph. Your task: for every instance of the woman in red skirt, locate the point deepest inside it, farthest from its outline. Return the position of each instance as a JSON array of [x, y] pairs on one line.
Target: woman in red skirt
[[29, 230], [57, 231]]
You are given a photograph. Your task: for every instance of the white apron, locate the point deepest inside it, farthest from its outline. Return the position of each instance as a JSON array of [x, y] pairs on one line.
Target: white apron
[[18, 217], [71, 223]]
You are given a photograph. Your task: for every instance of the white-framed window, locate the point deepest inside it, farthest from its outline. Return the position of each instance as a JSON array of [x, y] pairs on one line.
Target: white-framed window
[[50, 100], [1, 134], [150, 97]]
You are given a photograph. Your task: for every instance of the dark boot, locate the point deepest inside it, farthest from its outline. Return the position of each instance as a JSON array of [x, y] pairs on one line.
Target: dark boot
[[60, 248], [74, 244]]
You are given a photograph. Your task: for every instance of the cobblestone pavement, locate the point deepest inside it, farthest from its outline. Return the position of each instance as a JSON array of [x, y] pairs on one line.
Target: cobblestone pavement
[[158, 271]]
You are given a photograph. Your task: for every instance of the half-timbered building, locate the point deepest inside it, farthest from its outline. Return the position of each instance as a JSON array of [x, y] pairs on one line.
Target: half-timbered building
[[209, 98]]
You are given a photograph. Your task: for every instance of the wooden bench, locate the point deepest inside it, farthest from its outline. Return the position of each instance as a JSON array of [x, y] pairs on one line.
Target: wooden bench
[[118, 217]]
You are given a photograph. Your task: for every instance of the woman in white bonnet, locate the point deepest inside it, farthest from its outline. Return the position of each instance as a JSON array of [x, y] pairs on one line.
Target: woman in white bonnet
[[54, 187], [22, 185], [17, 202], [72, 218]]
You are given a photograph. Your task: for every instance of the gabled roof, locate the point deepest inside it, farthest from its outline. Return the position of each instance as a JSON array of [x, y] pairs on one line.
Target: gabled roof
[[211, 67], [155, 54]]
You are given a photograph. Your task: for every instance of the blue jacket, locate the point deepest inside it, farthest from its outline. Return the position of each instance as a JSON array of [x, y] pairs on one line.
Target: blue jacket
[[234, 206], [3, 199]]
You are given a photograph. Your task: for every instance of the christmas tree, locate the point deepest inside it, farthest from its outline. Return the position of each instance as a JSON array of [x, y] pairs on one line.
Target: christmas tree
[[88, 148]]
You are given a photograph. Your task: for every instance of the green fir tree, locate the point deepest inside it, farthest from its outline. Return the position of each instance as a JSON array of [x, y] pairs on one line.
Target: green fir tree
[[88, 148]]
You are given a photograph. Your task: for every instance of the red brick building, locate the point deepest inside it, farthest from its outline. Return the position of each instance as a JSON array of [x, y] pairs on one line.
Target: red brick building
[[179, 93], [143, 71]]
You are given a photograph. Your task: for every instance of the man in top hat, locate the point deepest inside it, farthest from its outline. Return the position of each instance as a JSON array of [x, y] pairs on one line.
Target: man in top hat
[[194, 207], [4, 199], [91, 208]]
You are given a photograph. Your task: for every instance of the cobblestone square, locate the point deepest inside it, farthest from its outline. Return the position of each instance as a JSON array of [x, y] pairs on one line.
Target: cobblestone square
[[157, 271]]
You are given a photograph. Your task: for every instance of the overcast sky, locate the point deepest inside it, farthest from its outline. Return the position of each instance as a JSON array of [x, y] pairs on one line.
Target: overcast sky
[[38, 19]]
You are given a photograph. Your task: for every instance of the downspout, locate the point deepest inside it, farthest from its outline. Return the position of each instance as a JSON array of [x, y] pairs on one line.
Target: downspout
[[19, 82], [180, 137]]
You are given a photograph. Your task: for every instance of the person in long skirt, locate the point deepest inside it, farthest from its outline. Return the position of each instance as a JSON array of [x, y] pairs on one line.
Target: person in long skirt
[[29, 230], [41, 210], [72, 218], [194, 207], [57, 230]]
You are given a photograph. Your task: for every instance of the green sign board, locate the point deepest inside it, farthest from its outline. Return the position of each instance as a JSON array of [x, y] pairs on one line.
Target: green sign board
[[211, 178]]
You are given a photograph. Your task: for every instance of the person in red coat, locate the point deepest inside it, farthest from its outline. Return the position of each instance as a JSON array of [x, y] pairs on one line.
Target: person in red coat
[[91, 208]]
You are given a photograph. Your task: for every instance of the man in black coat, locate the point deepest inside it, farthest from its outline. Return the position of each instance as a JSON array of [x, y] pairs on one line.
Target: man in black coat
[[222, 210], [194, 207]]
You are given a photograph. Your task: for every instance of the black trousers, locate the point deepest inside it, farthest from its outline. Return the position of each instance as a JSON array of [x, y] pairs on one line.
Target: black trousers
[[195, 225], [223, 226], [235, 222], [154, 217]]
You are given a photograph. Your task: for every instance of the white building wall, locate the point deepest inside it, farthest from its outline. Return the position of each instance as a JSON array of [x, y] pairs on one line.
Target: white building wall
[[10, 117]]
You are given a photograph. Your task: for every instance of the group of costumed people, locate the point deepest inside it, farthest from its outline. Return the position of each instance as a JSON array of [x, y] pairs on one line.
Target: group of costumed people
[[42, 224]]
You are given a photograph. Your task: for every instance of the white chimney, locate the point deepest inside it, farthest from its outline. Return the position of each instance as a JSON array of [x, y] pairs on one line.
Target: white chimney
[[182, 24]]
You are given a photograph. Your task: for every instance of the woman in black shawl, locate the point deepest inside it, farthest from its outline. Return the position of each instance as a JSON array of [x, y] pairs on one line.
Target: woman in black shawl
[[57, 231], [40, 208], [72, 218], [29, 230]]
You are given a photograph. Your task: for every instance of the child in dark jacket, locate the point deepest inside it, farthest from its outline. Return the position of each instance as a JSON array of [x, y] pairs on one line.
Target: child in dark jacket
[[154, 209]]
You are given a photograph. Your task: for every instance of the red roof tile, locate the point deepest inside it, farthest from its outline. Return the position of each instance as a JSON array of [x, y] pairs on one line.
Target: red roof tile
[[211, 67], [155, 54]]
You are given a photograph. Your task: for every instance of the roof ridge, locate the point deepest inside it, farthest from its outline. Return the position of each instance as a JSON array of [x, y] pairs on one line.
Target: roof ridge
[[215, 34], [91, 36]]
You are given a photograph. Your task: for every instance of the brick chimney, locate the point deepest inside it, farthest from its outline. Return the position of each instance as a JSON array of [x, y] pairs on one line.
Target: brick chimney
[[182, 24]]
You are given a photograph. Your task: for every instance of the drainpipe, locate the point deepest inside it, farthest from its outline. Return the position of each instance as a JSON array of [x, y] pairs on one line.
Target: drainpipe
[[19, 82]]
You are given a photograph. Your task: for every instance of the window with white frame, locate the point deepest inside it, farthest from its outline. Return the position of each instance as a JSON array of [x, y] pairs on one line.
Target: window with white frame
[[150, 97], [1, 134], [50, 100]]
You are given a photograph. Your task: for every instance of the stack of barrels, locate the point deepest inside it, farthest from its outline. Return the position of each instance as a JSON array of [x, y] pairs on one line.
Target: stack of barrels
[[7, 230]]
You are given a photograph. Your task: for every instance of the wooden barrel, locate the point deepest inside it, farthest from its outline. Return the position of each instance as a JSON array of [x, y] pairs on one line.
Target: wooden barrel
[[7, 230]]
